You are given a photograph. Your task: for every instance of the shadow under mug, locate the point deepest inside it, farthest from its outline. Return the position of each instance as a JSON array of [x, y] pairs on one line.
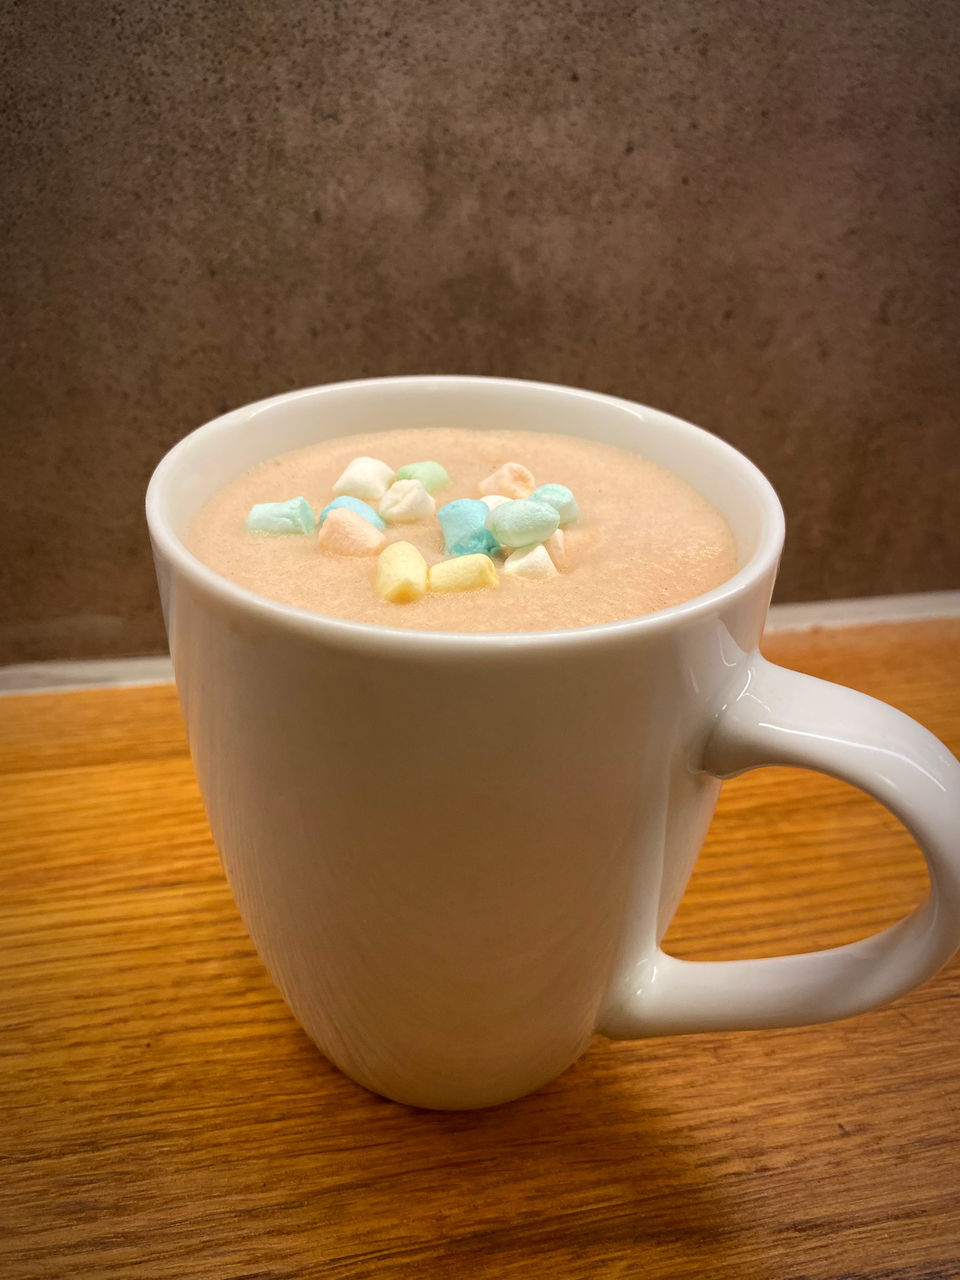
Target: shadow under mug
[[457, 853]]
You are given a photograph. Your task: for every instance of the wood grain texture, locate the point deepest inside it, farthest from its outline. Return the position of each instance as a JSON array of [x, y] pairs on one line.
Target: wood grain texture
[[162, 1116]]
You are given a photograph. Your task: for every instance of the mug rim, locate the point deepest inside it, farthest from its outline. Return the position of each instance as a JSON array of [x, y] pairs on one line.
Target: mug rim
[[326, 628]]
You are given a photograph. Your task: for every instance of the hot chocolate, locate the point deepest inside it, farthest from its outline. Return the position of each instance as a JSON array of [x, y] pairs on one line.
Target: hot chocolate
[[571, 532]]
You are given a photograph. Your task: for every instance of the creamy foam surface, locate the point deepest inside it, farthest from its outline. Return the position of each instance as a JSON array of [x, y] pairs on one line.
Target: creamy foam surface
[[645, 539]]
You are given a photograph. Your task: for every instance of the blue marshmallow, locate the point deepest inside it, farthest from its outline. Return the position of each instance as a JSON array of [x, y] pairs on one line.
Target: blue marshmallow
[[464, 528], [293, 516], [353, 504], [560, 498]]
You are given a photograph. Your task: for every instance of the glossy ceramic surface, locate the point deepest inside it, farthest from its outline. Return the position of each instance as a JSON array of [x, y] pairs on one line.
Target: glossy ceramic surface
[[457, 853]]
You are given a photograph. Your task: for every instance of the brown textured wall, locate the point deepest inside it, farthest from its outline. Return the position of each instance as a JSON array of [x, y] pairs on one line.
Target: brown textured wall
[[746, 213]]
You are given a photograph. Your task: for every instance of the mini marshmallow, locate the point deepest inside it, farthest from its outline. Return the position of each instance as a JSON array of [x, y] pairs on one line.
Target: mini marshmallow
[[463, 573], [293, 516], [523, 522], [344, 533], [492, 500], [560, 497], [530, 562], [465, 530], [406, 501], [430, 474], [365, 478], [401, 573], [556, 546], [353, 504], [512, 478]]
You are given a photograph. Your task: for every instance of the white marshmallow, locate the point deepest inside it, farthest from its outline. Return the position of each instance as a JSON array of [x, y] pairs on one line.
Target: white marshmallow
[[530, 562], [492, 500], [365, 478], [406, 501], [557, 549], [512, 478]]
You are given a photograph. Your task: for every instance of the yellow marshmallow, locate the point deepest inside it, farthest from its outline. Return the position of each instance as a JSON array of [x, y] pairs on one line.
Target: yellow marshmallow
[[401, 573], [463, 573]]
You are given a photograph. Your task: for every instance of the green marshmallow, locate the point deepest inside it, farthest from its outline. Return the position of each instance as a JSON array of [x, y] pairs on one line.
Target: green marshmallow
[[523, 522], [560, 498], [293, 516], [430, 474]]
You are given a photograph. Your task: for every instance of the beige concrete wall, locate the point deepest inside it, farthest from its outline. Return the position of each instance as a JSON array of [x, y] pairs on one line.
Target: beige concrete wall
[[745, 213]]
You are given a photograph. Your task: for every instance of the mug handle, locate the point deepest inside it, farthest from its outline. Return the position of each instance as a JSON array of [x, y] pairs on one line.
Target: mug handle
[[775, 716]]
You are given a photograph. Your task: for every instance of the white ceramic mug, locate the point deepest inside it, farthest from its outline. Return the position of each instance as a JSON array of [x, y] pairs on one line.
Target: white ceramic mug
[[457, 853]]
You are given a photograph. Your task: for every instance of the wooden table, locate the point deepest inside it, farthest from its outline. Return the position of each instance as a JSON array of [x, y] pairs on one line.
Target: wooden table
[[161, 1115]]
